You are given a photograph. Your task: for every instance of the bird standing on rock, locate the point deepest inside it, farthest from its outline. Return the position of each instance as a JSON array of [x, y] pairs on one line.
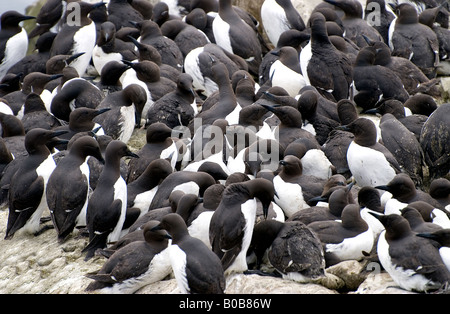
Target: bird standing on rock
[[68, 187], [197, 269], [232, 223], [107, 205], [27, 197]]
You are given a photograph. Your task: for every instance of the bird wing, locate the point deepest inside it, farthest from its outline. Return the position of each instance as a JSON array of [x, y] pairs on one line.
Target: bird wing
[[65, 201]]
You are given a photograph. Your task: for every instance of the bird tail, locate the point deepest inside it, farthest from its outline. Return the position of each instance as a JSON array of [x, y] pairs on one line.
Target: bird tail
[[97, 242]]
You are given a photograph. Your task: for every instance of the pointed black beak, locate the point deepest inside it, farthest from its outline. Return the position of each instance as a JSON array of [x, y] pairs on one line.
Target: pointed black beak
[[131, 154], [383, 187]]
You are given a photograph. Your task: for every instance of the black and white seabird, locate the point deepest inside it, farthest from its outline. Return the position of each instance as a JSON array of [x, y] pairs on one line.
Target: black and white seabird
[[416, 221], [75, 93], [226, 106], [278, 16], [413, 122], [110, 77], [435, 142], [125, 112], [159, 145], [35, 115], [187, 181], [81, 120], [164, 12], [293, 188], [414, 41], [442, 237], [308, 105], [354, 24], [414, 263], [440, 190], [141, 191], [27, 198], [369, 161], [135, 265], [290, 127], [34, 82], [231, 227], [379, 16], [170, 52], [177, 108], [373, 83], [403, 189], [199, 62], [236, 36], [430, 213], [13, 40], [345, 239], [286, 71], [107, 205], [326, 68], [404, 146], [413, 79], [148, 75], [120, 12], [196, 268], [292, 38], [37, 60], [49, 15], [13, 134], [109, 48], [72, 39], [337, 200], [68, 187], [293, 249], [430, 17], [186, 36]]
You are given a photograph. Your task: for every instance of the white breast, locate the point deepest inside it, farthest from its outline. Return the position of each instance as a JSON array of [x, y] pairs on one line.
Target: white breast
[[284, 77], [199, 228], [100, 58], [305, 57], [274, 20], [221, 31], [248, 210], [81, 219], [84, 41], [15, 50], [44, 170], [130, 77], [128, 123], [316, 163], [233, 117], [143, 200], [368, 166], [172, 153], [407, 279], [445, 255], [290, 196], [352, 248], [120, 192], [158, 269], [178, 262]]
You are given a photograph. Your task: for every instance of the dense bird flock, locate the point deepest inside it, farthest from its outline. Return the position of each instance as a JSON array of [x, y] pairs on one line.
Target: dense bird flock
[[278, 145]]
